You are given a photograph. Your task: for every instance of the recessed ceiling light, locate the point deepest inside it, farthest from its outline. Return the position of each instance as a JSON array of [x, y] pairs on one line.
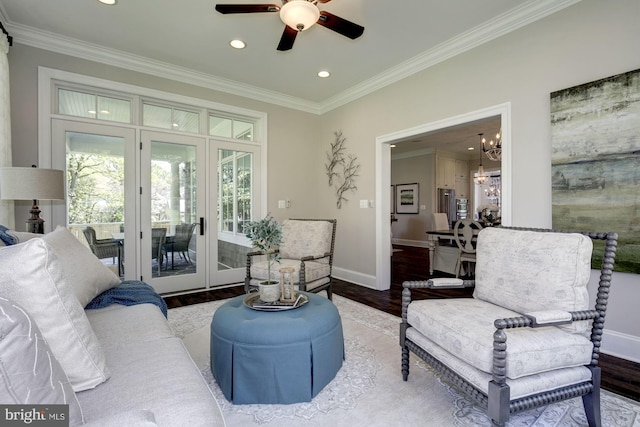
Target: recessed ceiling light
[[108, 2], [324, 74], [471, 148], [237, 44], [393, 145]]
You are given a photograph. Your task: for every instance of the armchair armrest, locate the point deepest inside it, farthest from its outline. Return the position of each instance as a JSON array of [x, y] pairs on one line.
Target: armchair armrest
[[548, 318], [311, 257], [439, 283]]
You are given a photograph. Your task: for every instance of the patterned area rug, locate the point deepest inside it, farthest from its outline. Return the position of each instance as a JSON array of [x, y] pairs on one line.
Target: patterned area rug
[[369, 390]]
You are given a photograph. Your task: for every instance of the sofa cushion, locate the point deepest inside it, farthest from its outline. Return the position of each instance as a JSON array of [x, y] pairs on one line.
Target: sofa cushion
[[306, 238], [157, 375], [529, 350], [85, 273], [33, 276], [29, 372], [528, 271]]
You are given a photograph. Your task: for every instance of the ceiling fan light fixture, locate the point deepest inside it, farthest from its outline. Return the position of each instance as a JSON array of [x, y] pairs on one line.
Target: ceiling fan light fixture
[[299, 14], [237, 44]]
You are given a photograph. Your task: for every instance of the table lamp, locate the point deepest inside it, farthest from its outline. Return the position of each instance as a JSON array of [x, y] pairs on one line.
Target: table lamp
[[17, 183]]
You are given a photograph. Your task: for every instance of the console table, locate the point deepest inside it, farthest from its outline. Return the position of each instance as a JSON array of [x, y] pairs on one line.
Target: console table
[[276, 357]]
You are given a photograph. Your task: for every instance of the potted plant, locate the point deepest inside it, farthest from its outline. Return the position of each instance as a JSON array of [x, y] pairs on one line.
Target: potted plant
[[266, 236]]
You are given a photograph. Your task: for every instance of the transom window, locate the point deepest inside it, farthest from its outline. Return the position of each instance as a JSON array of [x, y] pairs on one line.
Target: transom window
[[230, 128], [170, 118], [79, 104]]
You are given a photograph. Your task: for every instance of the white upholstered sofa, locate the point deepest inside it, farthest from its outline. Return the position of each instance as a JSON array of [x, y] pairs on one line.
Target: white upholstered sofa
[[114, 366]]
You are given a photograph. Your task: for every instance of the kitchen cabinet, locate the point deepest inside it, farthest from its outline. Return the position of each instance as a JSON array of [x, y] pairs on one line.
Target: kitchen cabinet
[[462, 179], [445, 172]]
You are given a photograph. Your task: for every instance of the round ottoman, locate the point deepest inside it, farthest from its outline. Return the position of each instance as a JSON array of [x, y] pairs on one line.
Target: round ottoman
[[275, 357]]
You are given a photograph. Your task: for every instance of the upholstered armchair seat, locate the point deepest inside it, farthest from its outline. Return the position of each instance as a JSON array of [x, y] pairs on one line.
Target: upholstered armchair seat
[[307, 247], [531, 350], [316, 273], [528, 337]]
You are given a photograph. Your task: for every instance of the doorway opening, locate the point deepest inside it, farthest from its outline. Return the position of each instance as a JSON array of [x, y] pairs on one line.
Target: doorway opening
[[383, 175]]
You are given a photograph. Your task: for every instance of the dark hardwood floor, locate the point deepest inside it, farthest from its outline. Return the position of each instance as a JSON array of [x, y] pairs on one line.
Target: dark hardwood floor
[[618, 375]]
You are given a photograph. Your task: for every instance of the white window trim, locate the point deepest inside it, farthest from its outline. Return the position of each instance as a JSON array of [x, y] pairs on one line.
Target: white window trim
[[49, 77]]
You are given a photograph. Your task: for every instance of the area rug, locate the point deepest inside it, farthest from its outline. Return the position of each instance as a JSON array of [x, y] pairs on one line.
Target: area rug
[[369, 391]]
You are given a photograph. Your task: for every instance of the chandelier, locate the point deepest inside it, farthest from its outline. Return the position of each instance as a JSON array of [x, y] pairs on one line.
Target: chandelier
[[493, 191], [494, 150], [480, 177]]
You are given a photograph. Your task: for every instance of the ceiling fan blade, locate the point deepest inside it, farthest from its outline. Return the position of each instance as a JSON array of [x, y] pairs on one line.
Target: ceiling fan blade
[[324, 1], [340, 25], [287, 39], [246, 8]]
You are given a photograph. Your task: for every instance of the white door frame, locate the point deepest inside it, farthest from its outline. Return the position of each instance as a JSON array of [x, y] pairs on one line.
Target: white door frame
[[383, 178]]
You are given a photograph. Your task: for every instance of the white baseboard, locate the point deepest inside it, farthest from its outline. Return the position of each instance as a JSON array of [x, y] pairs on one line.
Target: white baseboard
[[366, 280], [414, 243], [621, 345]]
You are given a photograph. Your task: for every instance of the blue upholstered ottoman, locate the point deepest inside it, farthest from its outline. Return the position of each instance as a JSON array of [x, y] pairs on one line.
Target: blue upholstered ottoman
[[276, 357]]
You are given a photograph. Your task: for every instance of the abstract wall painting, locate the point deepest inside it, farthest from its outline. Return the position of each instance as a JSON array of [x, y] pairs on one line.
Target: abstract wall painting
[[595, 161]]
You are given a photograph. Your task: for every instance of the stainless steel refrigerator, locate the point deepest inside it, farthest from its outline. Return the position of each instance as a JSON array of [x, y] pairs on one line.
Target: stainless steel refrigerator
[[447, 204]]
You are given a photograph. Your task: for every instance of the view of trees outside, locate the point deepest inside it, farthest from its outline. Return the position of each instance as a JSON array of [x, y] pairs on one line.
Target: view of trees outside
[[234, 207], [96, 189]]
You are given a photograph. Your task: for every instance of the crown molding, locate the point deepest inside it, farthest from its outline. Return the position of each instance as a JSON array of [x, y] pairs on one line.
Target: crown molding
[[73, 47], [497, 27], [490, 30]]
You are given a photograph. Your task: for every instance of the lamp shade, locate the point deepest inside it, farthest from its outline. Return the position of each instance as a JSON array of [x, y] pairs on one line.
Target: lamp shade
[[299, 14], [31, 184]]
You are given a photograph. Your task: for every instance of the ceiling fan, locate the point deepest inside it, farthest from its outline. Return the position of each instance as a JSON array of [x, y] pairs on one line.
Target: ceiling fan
[[298, 15]]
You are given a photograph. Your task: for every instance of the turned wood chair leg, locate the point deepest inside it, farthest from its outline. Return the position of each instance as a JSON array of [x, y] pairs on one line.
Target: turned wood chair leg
[[591, 401]]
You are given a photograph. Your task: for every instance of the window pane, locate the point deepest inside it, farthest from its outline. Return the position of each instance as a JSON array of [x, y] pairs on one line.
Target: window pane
[[243, 130], [159, 117], [186, 120], [76, 104], [226, 196], [220, 126], [244, 189], [115, 110]]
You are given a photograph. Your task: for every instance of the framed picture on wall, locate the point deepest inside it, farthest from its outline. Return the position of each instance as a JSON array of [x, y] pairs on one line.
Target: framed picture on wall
[[392, 206], [407, 198]]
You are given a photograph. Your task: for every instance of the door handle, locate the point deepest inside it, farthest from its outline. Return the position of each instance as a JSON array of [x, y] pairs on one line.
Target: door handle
[[202, 226]]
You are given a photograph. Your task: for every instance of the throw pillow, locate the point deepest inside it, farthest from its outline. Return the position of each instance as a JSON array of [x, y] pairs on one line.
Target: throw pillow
[[34, 277], [86, 275], [29, 372], [22, 236]]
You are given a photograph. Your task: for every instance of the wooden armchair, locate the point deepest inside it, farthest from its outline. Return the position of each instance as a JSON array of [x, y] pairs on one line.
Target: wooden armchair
[[307, 246], [531, 296]]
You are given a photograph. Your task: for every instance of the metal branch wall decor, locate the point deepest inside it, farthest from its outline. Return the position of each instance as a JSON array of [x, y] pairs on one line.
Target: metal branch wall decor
[[341, 169]]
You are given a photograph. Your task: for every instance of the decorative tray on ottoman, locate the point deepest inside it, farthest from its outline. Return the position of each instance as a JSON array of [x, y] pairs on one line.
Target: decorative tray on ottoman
[[254, 302]]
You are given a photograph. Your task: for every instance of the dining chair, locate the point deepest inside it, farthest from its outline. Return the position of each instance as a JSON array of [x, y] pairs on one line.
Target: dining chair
[[463, 234], [180, 242], [158, 236]]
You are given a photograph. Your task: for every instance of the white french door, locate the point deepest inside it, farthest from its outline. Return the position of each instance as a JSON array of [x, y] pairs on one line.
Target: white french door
[[99, 163], [235, 181], [172, 194], [126, 182]]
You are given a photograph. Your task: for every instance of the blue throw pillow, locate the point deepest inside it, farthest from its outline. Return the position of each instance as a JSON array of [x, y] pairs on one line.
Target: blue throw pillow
[[6, 238]]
